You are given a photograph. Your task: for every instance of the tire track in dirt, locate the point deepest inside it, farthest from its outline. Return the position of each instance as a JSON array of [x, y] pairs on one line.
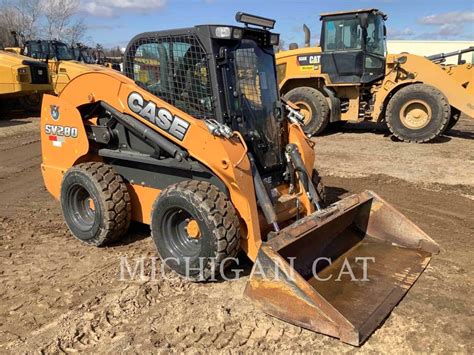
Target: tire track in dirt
[[59, 295]]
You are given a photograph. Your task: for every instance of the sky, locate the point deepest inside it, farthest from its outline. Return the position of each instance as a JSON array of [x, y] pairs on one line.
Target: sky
[[114, 22]]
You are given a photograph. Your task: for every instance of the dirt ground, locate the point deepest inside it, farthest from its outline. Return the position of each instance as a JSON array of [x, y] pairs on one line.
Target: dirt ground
[[58, 295]]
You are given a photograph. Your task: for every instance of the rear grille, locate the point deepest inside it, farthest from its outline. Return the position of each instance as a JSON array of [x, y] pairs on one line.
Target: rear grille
[[39, 74], [39, 71]]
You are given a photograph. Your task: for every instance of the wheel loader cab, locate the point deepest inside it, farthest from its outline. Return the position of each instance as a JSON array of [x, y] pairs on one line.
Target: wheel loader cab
[[48, 50], [353, 46], [225, 73]]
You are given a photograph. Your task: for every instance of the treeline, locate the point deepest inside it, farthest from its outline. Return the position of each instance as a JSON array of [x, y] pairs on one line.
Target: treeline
[[41, 19]]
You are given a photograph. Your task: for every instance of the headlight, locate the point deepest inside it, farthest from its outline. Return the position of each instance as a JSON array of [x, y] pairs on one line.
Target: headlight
[[274, 39], [22, 71], [237, 33], [223, 32]]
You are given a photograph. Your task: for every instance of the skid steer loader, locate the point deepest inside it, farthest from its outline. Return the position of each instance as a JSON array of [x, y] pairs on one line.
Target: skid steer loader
[[203, 150], [350, 77]]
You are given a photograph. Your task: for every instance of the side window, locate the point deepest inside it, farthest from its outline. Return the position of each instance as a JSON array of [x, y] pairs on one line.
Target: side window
[[330, 35], [150, 67], [175, 69], [375, 35], [342, 35], [191, 79]]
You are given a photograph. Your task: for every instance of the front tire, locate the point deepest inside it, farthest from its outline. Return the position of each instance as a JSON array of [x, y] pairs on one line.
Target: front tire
[[195, 229], [313, 106], [418, 113], [95, 203]]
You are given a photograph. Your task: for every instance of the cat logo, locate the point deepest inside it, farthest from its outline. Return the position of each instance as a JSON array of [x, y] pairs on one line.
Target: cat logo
[[310, 59]]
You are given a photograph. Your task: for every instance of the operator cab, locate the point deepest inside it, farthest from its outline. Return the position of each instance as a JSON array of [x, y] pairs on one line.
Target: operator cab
[[220, 72], [82, 53], [48, 50], [353, 46]]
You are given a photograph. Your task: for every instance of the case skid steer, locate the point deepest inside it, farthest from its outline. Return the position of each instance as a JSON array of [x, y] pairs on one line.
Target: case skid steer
[[350, 77], [196, 142]]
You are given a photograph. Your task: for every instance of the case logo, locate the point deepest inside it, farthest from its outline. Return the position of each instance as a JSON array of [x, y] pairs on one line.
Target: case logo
[[159, 116], [54, 112]]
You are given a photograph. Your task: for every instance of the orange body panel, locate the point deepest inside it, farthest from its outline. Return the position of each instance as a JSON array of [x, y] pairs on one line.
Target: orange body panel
[[226, 158], [142, 201]]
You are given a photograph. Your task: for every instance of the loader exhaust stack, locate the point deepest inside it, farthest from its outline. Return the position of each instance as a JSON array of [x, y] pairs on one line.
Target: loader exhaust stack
[[307, 36], [341, 271]]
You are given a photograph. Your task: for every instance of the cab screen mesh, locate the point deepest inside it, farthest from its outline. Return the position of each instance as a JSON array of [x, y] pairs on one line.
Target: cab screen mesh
[[175, 69]]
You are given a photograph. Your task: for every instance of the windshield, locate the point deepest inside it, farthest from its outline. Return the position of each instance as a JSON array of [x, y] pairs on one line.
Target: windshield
[[256, 96], [375, 42], [63, 52], [49, 50], [341, 35]]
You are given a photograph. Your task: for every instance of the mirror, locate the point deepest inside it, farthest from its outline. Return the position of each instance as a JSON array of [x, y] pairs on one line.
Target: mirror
[[401, 60]]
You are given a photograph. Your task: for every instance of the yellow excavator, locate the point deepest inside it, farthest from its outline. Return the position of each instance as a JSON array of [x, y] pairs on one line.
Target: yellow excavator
[[350, 77], [207, 154]]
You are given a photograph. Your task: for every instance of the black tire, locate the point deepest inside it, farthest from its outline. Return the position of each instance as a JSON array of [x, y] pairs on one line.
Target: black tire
[[455, 116], [319, 186], [108, 218], [218, 237], [31, 103], [422, 98], [312, 101]]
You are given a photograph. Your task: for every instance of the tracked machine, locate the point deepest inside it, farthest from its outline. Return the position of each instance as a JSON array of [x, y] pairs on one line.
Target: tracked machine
[[196, 142]]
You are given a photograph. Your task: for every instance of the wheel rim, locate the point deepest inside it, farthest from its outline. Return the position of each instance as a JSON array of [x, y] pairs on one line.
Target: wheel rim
[[415, 114], [83, 207], [306, 111], [181, 233]]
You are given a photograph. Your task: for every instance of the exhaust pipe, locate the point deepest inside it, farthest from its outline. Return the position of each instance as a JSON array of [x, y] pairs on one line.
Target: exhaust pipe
[[307, 36]]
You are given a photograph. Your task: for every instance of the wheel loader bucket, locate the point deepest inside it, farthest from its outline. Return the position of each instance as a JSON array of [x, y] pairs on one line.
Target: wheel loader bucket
[[342, 270]]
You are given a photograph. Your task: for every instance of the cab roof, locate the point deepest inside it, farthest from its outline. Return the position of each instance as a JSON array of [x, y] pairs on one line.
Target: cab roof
[[349, 12]]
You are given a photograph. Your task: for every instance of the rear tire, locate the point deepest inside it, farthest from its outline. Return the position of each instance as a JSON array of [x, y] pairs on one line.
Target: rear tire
[[31, 103], [313, 106], [455, 116], [194, 224], [418, 113], [95, 203]]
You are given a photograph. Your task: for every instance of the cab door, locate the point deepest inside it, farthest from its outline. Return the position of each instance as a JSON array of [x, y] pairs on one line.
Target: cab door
[[352, 53], [342, 54]]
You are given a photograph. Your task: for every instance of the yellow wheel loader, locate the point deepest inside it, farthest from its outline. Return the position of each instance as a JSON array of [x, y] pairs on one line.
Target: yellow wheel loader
[[24, 79], [209, 156], [351, 78], [60, 59]]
